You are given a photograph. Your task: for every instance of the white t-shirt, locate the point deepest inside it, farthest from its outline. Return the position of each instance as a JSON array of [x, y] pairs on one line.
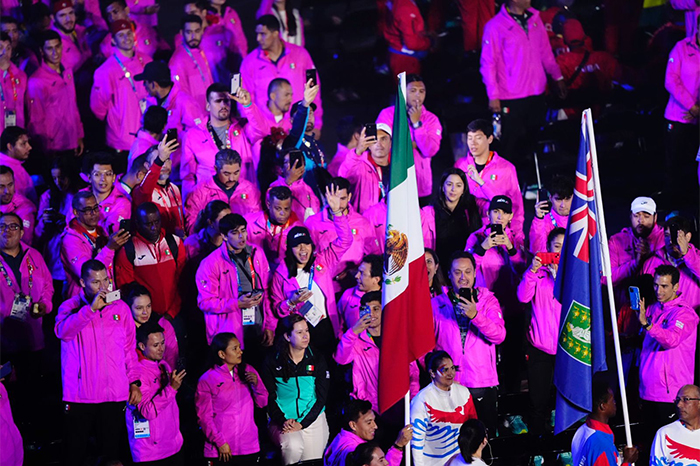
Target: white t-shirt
[[675, 444], [458, 460], [318, 299]]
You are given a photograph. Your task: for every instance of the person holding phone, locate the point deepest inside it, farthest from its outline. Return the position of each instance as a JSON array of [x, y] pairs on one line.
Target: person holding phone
[[305, 203], [682, 253], [368, 278], [537, 287], [551, 213], [226, 396], [98, 170]]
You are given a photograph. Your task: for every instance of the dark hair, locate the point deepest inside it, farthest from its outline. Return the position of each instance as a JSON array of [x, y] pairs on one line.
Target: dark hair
[[91, 265], [681, 223], [227, 157], [269, 21], [371, 296], [4, 170], [5, 37], [12, 214], [471, 434], [209, 214], [189, 19], [362, 455], [10, 136], [68, 169], [346, 127], [439, 278], [480, 125], [281, 193], [133, 290], [376, 264], [145, 329], [466, 203], [47, 36], [146, 208], [8, 20], [462, 255], [139, 163], [231, 222], [668, 271], [562, 186], [218, 88], [291, 19], [291, 262], [414, 78], [79, 196], [276, 84], [155, 119], [340, 183], [554, 233], [106, 4], [433, 359], [600, 392], [285, 326], [96, 158], [353, 410], [200, 4]]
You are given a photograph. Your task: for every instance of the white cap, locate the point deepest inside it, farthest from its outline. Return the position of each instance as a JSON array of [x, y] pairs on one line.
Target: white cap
[[644, 204], [384, 127]]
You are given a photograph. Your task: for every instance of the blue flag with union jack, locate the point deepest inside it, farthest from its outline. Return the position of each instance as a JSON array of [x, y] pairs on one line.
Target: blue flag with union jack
[[581, 345]]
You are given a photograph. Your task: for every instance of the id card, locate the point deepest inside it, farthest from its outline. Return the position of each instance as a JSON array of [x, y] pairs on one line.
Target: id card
[[311, 313], [10, 118], [248, 316], [141, 428], [143, 104], [20, 307]]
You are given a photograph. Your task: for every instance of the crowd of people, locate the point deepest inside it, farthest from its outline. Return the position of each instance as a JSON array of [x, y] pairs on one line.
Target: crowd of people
[[212, 258]]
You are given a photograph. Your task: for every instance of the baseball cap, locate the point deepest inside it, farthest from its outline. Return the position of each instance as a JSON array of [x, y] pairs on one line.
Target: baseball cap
[[120, 25], [384, 127], [297, 236], [501, 202], [296, 105], [573, 31], [644, 204], [61, 5], [154, 71]]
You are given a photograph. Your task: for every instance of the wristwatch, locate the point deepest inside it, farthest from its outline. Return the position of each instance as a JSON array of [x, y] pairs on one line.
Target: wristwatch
[[136, 382], [417, 125], [647, 325]]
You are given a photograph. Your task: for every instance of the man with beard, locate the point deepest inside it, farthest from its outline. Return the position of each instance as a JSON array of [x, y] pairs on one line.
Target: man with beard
[[683, 255], [188, 65], [13, 85], [678, 441], [22, 56], [76, 50]]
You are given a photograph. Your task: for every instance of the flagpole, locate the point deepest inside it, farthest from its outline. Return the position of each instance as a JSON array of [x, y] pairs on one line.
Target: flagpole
[[407, 421], [607, 272]]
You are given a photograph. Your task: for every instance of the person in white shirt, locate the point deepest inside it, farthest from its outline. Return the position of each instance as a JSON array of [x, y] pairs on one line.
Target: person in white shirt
[[473, 438], [679, 441]]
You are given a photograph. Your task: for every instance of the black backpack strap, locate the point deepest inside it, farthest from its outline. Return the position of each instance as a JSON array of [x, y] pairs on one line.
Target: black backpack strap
[[130, 251], [579, 68], [173, 245]]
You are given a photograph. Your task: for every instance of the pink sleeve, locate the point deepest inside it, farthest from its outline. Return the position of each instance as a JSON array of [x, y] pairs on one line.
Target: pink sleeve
[[677, 331], [35, 108], [69, 323], [527, 287], [238, 35], [490, 58], [47, 280], [172, 351], [332, 254], [394, 456], [132, 365], [428, 137], [205, 412], [674, 82], [195, 203], [280, 303], [692, 260], [344, 351], [538, 235], [257, 127], [427, 223], [260, 394], [414, 377], [620, 270], [489, 321], [209, 298], [101, 94], [153, 402]]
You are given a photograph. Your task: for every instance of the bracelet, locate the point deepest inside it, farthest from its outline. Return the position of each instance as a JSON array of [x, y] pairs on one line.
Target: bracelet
[[249, 105], [399, 448]]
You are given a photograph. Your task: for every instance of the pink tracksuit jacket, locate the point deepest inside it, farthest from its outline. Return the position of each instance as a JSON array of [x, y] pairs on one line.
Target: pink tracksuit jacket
[[489, 266], [538, 288], [364, 178], [349, 307], [76, 50], [427, 143], [514, 62], [623, 256], [146, 40], [667, 361], [190, 69], [115, 207], [11, 447], [23, 181], [326, 266], [113, 98], [304, 202], [477, 355], [76, 249], [233, 23], [244, 200], [172, 351], [376, 215], [53, 109], [98, 361], [21, 206], [682, 80], [26, 335], [541, 227], [346, 442], [159, 407], [271, 238], [217, 282], [500, 178], [224, 406], [260, 124], [14, 89], [361, 351], [340, 153]]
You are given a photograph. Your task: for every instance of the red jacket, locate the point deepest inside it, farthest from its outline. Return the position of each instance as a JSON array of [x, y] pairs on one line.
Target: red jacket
[[405, 30], [167, 198]]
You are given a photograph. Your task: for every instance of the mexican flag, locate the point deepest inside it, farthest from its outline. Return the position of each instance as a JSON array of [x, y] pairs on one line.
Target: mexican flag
[[407, 321]]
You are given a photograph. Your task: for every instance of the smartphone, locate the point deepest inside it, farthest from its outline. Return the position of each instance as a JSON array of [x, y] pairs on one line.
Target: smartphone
[[635, 298], [235, 83], [673, 230], [497, 228], [543, 196], [125, 224], [296, 159], [311, 74], [548, 257], [113, 296], [371, 130], [256, 292], [469, 294], [5, 370], [171, 135], [365, 311], [180, 364]]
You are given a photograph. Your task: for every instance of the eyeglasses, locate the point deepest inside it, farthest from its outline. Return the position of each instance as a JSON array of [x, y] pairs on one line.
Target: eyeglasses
[[10, 226], [444, 369], [684, 399], [90, 210], [107, 174]]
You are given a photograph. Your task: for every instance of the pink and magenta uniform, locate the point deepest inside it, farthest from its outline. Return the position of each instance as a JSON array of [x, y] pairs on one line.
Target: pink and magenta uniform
[[13, 88], [376, 215], [305, 203], [271, 238], [23, 181], [21, 206], [76, 50], [146, 41], [538, 288], [683, 80], [190, 70], [542, 227], [244, 200]]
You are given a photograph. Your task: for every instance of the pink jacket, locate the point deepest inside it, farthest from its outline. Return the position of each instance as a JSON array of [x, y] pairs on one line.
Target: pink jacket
[[114, 98], [159, 407], [11, 448], [490, 266], [21, 206], [364, 178], [98, 361], [144, 141], [14, 88], [541, 227], [477, 356], [36, 282], [224, 406], [217, 282], [257, 70], [691, 15], [137, 9], [172, 351], [53, 109], [190, 69], [513, 62], [341, 153], [52, 244], [199, 152], [499, 177], [361, 351], [76, 249], [683, 80], [76, 50], [426, 141], [349, 307], [146, 40], [538, 288], [346, 442], [376, 215], [260, 124], [23, 181], [271, 238], [623, 260], [326, 266], [244, 200], [233, 23], [667, 361], [305, 204], [115, 207]]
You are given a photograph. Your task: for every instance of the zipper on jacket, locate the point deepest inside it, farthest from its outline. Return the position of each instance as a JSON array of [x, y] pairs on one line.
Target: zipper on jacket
[[296, 379]]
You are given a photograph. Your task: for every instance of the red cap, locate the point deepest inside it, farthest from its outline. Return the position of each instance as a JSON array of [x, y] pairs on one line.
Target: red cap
[[62, 5], [120, 25], [573, 32]]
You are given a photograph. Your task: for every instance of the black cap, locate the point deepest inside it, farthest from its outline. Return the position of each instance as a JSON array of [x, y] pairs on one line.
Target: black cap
[[296, 106], [297, 236], [501, 202], [154, 71]]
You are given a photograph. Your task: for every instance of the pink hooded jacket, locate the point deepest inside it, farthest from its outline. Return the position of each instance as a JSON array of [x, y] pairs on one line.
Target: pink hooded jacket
[[427, 143], [217, 282], [683, 80], [21, 206], [514, 62], [159, 407], [667, 361], [14, 88], [538, 288], [500, 178], [224, 406], [190, 69], [244, 200], [326, 266], [346, 442], [53, 109], [11, 447], [304, 202], [76, 249], [98, 357], [541, 227], [23, 181], [36, 282], [477, 355], [271, 238]]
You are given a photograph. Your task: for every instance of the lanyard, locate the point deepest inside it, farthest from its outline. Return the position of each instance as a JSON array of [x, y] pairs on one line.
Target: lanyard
[[30, 269], [554, 221], [127, 74], [14, 86], [219, 144], [382, 190], [253, 275], [311, 279], [199, 68]]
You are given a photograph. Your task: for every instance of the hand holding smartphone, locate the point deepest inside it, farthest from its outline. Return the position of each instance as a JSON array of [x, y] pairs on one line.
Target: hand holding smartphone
[[235, 83], [113, 296], [635, 298], [543, 196], [311, 75], [548, 257]]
